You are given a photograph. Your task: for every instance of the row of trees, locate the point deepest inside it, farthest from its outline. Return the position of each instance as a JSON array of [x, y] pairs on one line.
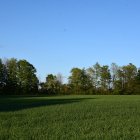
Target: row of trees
[[96, 80], [106, 80], [19, 77]]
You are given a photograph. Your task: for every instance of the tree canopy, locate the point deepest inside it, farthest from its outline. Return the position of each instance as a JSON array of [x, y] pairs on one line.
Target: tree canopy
[[19, 77]]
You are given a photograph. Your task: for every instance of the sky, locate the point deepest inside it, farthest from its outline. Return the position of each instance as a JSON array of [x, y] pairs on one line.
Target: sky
[[57, 35]]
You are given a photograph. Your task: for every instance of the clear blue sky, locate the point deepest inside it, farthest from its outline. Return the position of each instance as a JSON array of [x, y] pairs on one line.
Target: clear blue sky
[[56, 35]]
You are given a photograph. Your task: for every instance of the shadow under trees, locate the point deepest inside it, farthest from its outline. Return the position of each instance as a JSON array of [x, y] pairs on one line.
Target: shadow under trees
[[14, 103]]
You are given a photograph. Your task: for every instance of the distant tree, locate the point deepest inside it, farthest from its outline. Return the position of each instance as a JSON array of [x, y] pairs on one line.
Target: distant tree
[[137, 83], [4, 79], [130, 72], [11, 85], [105, 78], [91, 74], [126, 79], [66, 89], [94, 73], [75, 80], [138, 75], [20, 77], [2, 84], [86, 82], [97, 68], [1, 71], [59, 79], [80, 81], [26, 74], [52, 85], [114, 74]]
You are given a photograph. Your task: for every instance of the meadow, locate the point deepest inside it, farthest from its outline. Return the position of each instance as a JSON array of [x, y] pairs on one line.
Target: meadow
[[70, 118]]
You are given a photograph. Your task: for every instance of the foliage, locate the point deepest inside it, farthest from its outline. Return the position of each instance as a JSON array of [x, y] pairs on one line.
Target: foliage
[[79, 81], [53, 84], [19, 76], [26, 77]]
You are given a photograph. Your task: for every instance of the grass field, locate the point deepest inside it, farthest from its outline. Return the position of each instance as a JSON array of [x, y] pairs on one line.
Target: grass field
[[70, 118]]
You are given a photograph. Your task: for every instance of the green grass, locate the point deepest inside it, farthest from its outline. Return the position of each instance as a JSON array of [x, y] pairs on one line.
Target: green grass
[[70, 118]]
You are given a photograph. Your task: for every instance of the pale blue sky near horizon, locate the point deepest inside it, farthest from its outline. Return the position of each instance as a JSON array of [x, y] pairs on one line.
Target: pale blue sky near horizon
[[57, 35]]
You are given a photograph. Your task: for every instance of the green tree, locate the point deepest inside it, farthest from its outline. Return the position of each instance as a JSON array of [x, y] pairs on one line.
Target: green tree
[[27, 79], [137, 83], [126, 79], [11, 66], [105, 78], [1, 71], [94, 73], [86, 83], [114, 74], [66, 89], [52, 84], [119, 82], [75, 80], [80, 81], [2, 84], [129, 72], [59, 79]]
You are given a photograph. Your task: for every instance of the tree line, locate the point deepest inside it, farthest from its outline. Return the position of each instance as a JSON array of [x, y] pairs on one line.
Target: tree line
[[19, 77]]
